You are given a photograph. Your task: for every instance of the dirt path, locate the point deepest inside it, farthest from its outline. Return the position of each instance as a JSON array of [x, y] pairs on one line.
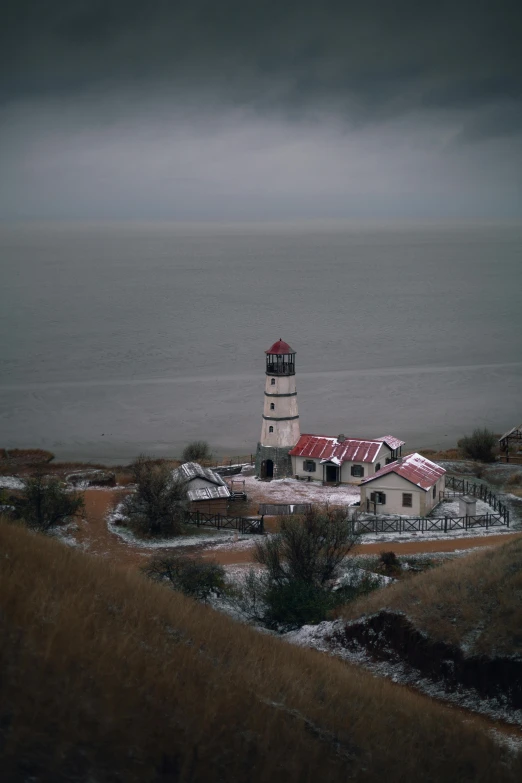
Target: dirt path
[[238, 556], [95, 538]]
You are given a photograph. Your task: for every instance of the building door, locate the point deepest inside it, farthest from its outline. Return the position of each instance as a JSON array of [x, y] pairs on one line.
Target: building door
[[332, 473], [267, 469]]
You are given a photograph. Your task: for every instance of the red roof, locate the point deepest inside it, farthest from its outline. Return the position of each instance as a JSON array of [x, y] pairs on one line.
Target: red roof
[[418, 470], [330, 450], [391, 441], [280, 347]]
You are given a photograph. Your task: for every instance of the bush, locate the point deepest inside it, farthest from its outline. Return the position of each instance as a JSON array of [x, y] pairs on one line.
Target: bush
[[45, 503], [389, 564], [197, 451], [196, 578], [302, 563], [159, 504], [479, 445]]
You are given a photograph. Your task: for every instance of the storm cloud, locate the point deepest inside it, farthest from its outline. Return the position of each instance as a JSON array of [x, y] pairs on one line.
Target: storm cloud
[[194, 97]]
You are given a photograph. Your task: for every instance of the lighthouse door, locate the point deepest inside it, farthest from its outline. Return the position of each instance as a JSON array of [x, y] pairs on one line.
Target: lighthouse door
[[267, 469]]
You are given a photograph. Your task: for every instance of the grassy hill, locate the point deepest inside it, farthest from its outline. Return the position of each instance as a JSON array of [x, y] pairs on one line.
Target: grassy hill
[[107, 677], [472, 602]]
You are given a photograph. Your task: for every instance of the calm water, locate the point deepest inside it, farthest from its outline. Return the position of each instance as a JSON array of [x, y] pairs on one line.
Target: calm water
[[123, 338]]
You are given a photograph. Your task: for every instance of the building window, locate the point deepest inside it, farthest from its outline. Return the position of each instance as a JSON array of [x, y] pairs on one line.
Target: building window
[[434, 495], [357, 470], [272, 406], [377, 467], [407, 500], [272, 382], [379, 498], [309, 466], [270, 429]]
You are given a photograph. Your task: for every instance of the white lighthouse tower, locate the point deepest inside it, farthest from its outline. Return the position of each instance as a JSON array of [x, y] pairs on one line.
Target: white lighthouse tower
[[280, 428]]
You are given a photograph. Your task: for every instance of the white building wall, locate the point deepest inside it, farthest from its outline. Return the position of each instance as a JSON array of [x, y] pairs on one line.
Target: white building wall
[[346, 468], [393, 486], [431, 501], [285, 433]]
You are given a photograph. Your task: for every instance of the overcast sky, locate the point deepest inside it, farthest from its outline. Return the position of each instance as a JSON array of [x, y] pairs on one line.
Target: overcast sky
[[230, 109]]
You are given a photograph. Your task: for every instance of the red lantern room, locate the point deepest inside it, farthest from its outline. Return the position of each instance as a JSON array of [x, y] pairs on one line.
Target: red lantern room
[[280, 359]]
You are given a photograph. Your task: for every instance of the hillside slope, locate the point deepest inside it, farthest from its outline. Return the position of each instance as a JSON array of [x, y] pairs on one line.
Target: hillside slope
[[106, 677], [472, 602]]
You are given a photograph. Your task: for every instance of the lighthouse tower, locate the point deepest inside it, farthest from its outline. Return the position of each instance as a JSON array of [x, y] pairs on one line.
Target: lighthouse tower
[[280, 428]]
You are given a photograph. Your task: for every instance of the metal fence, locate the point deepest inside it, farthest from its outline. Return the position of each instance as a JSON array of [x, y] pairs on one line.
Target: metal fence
[[428, 524], [456, 487], [225, 522]]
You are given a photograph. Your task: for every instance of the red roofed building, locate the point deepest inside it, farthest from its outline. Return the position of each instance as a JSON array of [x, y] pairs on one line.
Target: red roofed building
[[342, 460], [410, 486]]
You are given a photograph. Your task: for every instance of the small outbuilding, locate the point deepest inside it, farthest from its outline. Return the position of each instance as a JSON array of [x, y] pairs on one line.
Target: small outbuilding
[[410, 486], [342, 460], [206, 490]]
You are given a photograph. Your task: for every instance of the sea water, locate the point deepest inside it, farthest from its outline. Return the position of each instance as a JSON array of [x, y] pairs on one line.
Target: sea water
[[117, 339]]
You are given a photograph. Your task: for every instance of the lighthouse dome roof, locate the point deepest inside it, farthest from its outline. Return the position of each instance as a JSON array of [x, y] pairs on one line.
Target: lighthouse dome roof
[[280, 347]]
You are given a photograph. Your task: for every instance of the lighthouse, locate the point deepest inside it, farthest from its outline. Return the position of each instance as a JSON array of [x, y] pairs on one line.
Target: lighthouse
[[280, 427]]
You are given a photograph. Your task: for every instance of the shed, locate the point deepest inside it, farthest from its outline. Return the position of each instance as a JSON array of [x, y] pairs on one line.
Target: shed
[[342, 460], [410, 486], [206, 490]]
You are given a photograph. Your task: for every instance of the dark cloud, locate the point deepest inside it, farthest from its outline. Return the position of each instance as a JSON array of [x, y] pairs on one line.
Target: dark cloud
[[363, 61]]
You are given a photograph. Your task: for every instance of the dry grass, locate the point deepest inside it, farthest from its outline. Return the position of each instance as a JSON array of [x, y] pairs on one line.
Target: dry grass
[[473, 601], [110, 678]]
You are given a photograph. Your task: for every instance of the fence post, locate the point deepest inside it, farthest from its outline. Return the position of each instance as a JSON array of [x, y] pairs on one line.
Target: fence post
[[262, 523], [197, 518], [445, 524]]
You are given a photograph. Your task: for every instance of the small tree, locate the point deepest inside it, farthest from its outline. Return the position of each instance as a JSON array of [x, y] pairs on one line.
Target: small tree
[[45, 503], [302, 563], [479, 445], [158, 505], [197, 451], [196, 578], [309, 547]]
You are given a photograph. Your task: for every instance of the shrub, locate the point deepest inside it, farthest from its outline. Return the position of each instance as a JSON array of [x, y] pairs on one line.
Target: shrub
[[302, 563], [479, 445], [196, 578], [45, 503], [158, 505], [389, 564], [197, 451]]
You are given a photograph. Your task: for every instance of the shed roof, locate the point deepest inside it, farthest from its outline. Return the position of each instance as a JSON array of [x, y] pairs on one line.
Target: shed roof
[[331, 450], [191, 470], [514, 432], [208, 493], [391, 441], [280, 347], [414, 468]]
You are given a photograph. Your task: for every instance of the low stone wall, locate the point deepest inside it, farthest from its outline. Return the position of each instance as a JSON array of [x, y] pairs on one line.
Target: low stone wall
[[279, 456]]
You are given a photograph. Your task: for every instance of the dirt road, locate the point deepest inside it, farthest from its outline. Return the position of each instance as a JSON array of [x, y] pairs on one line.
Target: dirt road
[[95, 538]]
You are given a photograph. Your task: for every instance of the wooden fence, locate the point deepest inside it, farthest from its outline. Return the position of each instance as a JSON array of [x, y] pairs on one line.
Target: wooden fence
[[225, 522]]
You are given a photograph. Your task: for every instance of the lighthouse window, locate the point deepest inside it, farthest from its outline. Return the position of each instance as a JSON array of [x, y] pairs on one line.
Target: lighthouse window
[[309, 466], [272, 382], [357, 470], [270, 429], [272, 406]]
